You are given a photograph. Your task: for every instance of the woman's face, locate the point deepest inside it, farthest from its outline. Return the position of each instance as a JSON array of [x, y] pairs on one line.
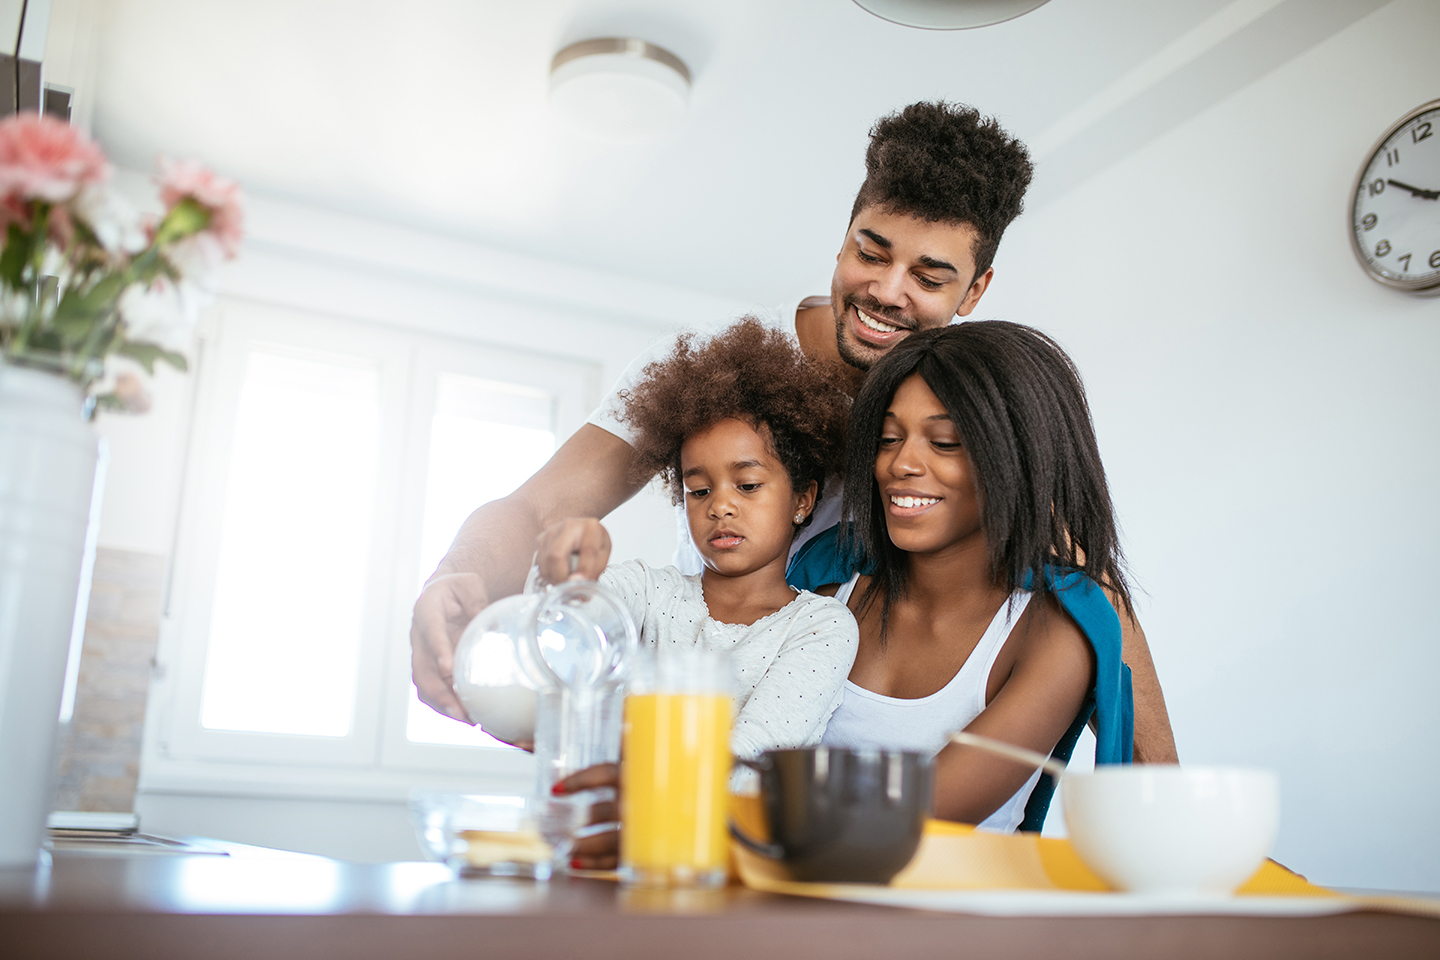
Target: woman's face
[[927, 484]]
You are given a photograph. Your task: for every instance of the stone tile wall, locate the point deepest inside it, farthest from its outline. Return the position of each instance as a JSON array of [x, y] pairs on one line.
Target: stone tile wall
[[100, 752]]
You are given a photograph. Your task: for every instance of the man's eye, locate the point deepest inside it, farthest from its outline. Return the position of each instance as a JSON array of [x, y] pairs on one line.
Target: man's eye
[[866, 257], [929, 284]]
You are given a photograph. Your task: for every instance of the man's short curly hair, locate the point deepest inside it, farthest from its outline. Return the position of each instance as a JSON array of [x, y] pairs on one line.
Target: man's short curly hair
[[946, 162], [750, 372]]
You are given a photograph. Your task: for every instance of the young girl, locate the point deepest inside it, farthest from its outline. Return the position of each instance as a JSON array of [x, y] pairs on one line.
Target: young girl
[[743, 430]]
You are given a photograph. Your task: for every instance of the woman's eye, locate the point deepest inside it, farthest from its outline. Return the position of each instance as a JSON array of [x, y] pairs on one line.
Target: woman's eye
[[889, 441], [945, 444]]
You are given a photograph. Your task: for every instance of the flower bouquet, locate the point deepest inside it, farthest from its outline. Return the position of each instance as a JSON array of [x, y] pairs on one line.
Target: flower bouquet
[[86, 288], [83, 278]]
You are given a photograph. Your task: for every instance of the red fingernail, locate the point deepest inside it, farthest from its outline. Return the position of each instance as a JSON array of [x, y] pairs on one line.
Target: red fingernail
[[558, 790], [576, 864]]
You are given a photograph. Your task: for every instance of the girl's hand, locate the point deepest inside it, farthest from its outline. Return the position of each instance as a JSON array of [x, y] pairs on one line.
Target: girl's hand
[[574, 549], [602, 850]]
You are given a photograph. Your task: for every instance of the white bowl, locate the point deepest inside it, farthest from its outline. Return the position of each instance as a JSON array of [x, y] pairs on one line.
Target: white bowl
[[1161, 829]]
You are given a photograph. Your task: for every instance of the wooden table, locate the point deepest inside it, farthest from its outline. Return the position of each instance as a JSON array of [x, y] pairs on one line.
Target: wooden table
[[256, 903]]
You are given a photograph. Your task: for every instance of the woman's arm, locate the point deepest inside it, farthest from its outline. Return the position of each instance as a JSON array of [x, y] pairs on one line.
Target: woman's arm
[[1052, 670]]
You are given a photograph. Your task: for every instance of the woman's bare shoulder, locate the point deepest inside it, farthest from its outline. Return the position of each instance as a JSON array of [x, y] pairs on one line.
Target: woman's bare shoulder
[[1051, 637]]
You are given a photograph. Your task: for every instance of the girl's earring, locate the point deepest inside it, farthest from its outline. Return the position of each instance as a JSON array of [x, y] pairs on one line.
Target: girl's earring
[[800, 518]]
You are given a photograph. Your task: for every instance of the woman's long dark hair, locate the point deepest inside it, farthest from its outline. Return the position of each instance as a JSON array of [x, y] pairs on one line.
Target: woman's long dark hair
[[1018, 404]]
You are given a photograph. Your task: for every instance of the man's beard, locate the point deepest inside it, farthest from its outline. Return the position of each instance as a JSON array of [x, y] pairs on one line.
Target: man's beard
[[861, 357]]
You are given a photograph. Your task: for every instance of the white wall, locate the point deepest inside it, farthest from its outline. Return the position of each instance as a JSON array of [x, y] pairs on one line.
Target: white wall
[[1268, 417]]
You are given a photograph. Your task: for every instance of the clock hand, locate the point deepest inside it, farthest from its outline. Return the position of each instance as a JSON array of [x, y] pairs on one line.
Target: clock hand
[[1417, 191]]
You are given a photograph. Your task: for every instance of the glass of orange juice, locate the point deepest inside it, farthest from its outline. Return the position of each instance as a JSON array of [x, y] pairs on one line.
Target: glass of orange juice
[[675, 770]]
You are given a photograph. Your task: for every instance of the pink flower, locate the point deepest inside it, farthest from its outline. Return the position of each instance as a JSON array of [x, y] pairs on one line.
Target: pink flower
[[42, 158], [190, 178], [131, 393]]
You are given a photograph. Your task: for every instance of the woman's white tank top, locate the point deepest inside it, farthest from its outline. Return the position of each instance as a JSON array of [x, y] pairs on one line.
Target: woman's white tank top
[[866, 719]]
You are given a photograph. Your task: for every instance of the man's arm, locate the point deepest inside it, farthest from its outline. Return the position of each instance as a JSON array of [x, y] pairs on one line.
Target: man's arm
[[587, 477], [1154, 741]]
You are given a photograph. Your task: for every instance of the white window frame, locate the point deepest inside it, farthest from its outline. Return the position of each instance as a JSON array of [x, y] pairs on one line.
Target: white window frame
[[376, 755]]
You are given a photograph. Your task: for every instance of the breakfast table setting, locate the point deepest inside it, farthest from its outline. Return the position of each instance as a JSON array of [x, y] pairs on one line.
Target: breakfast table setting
[[818, 851]]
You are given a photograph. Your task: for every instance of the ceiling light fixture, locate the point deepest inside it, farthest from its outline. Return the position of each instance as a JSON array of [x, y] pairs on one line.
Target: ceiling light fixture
[[948, 14], [619, 88]]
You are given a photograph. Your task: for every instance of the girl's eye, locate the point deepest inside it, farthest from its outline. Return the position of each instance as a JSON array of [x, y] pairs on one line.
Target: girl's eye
[[945, 444], [699, 493], [889, 441], [749, 487]]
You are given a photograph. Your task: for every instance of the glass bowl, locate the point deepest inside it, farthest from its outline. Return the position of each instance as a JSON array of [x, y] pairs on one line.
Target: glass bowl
[[482, 835]]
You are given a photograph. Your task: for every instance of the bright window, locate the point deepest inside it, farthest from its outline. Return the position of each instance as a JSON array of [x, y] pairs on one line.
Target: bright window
[[299, 498], [331, 464]]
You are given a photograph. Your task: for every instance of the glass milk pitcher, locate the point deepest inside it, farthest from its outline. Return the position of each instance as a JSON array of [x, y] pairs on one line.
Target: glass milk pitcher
[[548, 667]]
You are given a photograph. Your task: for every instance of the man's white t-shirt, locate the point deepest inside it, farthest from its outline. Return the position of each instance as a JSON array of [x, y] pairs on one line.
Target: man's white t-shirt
[[607, 417]]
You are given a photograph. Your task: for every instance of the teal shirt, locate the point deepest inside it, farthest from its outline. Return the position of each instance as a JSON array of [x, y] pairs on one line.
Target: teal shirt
[[821, 561]]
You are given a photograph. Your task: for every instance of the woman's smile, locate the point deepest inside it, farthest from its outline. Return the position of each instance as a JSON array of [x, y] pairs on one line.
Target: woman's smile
[[908, 503]]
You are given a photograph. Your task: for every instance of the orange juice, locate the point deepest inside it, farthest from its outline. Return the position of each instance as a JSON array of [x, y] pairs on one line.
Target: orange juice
[[674, 779]]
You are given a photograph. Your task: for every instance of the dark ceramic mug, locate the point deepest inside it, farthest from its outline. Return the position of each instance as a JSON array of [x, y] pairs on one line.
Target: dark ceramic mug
[[841, 815]]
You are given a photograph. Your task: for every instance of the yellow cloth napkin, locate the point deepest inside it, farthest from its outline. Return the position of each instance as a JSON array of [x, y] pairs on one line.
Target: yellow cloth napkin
[[956, 856]]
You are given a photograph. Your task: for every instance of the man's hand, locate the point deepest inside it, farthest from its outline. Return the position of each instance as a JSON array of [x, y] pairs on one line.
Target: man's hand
[[574, 549], [446, 606]]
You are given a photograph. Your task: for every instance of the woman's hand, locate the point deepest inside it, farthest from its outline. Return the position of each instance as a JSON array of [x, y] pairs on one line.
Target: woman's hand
[[574, 549], [600, 851]]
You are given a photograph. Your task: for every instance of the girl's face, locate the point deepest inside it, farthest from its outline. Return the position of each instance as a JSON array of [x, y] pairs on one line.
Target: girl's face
[[738, 499], [927, 484]]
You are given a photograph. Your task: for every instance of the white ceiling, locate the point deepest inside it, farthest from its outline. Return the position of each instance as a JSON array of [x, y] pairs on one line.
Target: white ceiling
[[432, 113]]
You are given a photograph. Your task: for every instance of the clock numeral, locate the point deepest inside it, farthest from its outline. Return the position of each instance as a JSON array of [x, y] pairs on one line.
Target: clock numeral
[[1369, 221], [1405, 260], [1392, 157], [1417, 135], [1435, 259], [1382, 248], [1377, 186]]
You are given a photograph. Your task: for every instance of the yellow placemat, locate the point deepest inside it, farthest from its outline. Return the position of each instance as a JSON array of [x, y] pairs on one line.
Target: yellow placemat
[[954, 859]]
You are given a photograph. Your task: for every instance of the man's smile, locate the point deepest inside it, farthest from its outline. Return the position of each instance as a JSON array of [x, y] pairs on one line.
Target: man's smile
[[875, 330]]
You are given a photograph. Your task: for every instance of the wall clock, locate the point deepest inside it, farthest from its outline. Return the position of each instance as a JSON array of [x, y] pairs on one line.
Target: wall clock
[[1395, 207]]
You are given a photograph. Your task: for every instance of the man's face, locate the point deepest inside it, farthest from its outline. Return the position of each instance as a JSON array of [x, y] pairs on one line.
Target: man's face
[[897, 274]]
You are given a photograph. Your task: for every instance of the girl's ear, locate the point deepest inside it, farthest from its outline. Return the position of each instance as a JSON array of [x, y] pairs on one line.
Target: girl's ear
[[805, 501]]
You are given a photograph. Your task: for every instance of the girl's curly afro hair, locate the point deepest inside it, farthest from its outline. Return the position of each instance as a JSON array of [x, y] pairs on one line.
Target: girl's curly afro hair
[[748, 371]]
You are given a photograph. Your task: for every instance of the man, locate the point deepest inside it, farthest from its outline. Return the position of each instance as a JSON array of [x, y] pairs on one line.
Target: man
[[942, 183]]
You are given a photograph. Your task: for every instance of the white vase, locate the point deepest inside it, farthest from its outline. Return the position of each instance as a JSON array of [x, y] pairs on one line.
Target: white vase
[[47, 478]]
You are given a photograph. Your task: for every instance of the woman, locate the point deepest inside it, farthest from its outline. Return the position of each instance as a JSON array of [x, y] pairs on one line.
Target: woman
[[982, 515]]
